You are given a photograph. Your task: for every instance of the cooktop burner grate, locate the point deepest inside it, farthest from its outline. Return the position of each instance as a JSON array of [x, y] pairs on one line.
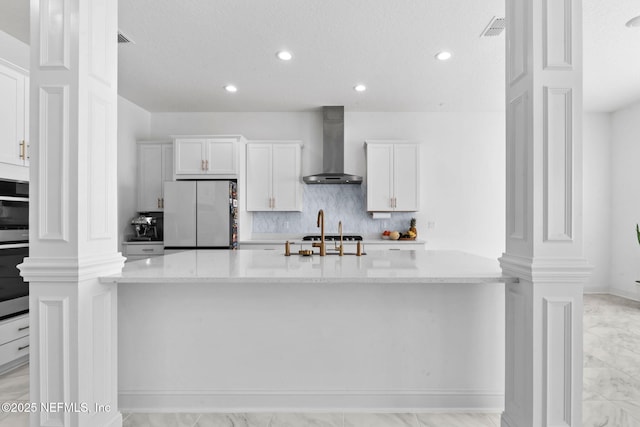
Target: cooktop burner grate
[[333, 237]]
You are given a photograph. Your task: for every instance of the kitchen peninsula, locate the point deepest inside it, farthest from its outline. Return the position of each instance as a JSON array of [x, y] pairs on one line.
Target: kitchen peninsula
[[254, 329]]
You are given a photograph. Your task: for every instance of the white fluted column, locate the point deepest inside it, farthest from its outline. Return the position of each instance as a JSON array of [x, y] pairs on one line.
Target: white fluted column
[[73, 238], [544, 243]]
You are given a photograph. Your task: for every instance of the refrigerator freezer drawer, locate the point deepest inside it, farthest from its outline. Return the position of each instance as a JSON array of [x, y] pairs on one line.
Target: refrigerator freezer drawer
[[180, 213], [213, 214]]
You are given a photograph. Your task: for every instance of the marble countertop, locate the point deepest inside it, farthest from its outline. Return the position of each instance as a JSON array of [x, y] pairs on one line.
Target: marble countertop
[[256, 266]]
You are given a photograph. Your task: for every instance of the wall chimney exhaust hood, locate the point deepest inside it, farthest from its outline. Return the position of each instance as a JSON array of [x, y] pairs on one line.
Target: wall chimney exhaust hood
[[332, 151]]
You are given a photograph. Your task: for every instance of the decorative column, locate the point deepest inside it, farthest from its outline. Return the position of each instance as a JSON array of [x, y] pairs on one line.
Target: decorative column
[[544, 243], [73, 236]]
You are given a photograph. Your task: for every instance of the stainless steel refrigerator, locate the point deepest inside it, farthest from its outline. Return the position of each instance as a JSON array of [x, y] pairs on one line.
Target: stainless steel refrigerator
[[200, 214]]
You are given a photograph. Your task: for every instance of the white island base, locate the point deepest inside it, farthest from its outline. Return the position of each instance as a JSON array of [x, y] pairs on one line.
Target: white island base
[[255, 330]]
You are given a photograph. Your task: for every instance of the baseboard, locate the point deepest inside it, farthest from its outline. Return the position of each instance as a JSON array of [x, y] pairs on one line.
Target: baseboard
[[624, 294], [597, 291], [311, 401], [615, 292]]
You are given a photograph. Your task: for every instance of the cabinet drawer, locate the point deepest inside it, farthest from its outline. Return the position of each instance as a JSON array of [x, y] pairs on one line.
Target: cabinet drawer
[[145, 250], [13, 350], [14, 328]]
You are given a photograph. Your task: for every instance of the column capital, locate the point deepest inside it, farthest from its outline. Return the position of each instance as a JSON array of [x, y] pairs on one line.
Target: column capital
[[546, 270], [69, 269]]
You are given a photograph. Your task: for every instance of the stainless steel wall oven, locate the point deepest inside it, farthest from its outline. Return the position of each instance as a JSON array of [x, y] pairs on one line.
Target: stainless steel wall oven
[[14, 247]]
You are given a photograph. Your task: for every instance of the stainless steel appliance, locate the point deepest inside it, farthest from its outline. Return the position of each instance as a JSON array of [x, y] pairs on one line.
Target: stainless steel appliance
[[146, 228], [14, 247], [333, 150], [200, 214], [333, 237]]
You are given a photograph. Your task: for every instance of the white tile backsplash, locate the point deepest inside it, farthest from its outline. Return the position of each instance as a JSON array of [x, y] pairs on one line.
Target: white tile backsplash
[[346, 203]]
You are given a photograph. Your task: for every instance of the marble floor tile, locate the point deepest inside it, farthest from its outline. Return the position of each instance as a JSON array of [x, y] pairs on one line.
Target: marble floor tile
[[234, 420], [458, 420], [20, 371], [380, 420], [632, 408], [611, 384], [13, 387], [617, 357], [605, 414], [161, 420], [15, 420], [618, 337], [306, 420]]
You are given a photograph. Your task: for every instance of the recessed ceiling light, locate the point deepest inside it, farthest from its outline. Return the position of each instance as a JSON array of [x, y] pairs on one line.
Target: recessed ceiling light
[[231, 88], [633, 22], [284, 55], [443, 56], [359, 88]]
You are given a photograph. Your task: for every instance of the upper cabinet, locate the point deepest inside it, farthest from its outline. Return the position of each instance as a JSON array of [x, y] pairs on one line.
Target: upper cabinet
[[155, 166], [274, 176], [14, 115], [393, 180], [206, 156]]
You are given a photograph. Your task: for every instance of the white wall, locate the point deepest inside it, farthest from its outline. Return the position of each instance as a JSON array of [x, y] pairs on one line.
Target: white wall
[[133, 125], [14, 51], [463, 158], [625, 201], [597, 198]]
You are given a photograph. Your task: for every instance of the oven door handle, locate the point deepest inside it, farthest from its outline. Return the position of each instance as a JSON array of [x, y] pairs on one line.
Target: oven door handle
[[14, 199], [14, 245]]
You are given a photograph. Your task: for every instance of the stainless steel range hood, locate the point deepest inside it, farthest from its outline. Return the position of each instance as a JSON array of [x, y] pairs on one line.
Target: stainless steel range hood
[[333, 150]]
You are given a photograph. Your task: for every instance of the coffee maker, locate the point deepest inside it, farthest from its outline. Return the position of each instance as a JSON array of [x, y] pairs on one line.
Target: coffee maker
[[146, 228]]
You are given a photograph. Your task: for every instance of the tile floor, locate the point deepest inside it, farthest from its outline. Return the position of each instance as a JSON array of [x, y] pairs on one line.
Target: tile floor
[[611, 386]]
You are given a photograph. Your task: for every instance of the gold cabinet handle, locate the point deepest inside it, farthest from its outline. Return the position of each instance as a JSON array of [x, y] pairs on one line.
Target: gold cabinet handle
[[274, 203], [22, 150], [206, 162], [162, 203]]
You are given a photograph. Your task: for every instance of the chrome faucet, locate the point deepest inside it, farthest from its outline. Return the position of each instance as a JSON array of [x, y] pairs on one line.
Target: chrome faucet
[[321, 245]]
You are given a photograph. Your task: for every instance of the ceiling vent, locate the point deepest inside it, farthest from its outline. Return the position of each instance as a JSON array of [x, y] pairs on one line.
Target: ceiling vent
[[495, 27], [123, 39]]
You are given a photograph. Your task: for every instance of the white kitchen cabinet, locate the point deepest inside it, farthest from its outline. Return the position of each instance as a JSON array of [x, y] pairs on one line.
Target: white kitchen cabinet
[[206, 156], [134, 251], [155, 166], [14, 114], [274, 176], [393, 179], [14, 342]]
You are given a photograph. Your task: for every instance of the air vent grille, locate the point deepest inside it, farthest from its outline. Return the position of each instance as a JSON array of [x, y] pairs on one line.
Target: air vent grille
[[495, 27], [123, 39]]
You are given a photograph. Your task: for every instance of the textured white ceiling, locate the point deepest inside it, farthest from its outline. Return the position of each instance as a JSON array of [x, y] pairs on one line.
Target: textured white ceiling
[[186, 51]]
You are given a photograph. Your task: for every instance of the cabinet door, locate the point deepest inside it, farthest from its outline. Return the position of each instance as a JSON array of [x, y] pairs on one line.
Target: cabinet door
[[221, 156], [379, 177], [287, 189], [406, 180], [12, 116], [149, 177], [167, 167], [189, 156], [259, 175]]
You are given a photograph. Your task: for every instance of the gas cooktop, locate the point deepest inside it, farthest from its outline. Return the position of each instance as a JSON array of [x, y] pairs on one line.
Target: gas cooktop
[[333, 237]]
